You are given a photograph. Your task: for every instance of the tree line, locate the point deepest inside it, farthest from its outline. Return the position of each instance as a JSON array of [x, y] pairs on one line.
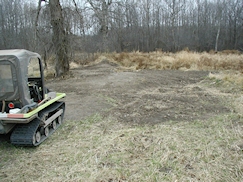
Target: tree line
[[124, 25]]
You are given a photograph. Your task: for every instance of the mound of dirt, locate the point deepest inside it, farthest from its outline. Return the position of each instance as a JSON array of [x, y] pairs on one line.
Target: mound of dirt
[[145, 96]]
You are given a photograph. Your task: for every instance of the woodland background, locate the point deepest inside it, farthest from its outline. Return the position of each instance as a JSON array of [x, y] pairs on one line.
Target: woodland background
[[125, 25]]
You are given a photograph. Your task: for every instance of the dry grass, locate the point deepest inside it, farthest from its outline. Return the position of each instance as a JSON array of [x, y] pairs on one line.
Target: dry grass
[[158, 60], [106, 150], [229, 62], [233, 77], [98, 149], [184, 60]]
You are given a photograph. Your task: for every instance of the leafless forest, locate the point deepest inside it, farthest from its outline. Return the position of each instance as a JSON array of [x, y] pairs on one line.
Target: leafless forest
[[124, 25]]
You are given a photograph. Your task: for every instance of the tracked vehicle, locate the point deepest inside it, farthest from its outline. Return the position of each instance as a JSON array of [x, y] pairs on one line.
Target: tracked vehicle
[[28, 110]]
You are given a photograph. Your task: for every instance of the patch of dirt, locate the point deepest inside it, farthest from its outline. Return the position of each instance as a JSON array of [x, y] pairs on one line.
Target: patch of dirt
[[145, 96]]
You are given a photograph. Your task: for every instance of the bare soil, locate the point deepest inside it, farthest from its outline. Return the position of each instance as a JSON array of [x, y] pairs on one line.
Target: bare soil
[[138, 97]]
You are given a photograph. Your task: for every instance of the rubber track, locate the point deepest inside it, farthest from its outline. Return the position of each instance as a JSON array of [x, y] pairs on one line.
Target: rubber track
[[22, 134]]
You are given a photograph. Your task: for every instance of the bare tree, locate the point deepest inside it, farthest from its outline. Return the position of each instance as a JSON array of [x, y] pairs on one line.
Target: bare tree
[[101, 10], [3, 30], [59, 38], [218, 22], [173, 8], [120, 25]]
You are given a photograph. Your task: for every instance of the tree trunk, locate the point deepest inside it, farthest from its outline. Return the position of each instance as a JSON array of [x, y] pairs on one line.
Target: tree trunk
[[217, 39], [3, 27], [59, 38], [102, 15]]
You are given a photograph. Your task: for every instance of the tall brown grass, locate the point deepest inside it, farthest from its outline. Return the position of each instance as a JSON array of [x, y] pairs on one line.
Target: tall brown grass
[[227, 60], [183, 60], [228, 63]]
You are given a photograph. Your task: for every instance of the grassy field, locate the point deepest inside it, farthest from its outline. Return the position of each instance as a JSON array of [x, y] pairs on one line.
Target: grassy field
[[102, 149], [106, 150], [225, 65], [184, 60]]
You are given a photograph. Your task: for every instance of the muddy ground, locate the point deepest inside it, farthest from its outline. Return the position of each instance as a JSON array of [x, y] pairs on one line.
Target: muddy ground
[[144, 96]]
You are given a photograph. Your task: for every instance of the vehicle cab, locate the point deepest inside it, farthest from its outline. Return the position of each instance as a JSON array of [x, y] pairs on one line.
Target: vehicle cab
[[21, 81]]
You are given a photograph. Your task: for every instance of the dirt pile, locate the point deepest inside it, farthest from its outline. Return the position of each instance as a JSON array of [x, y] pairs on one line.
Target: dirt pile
[[144, 96]]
